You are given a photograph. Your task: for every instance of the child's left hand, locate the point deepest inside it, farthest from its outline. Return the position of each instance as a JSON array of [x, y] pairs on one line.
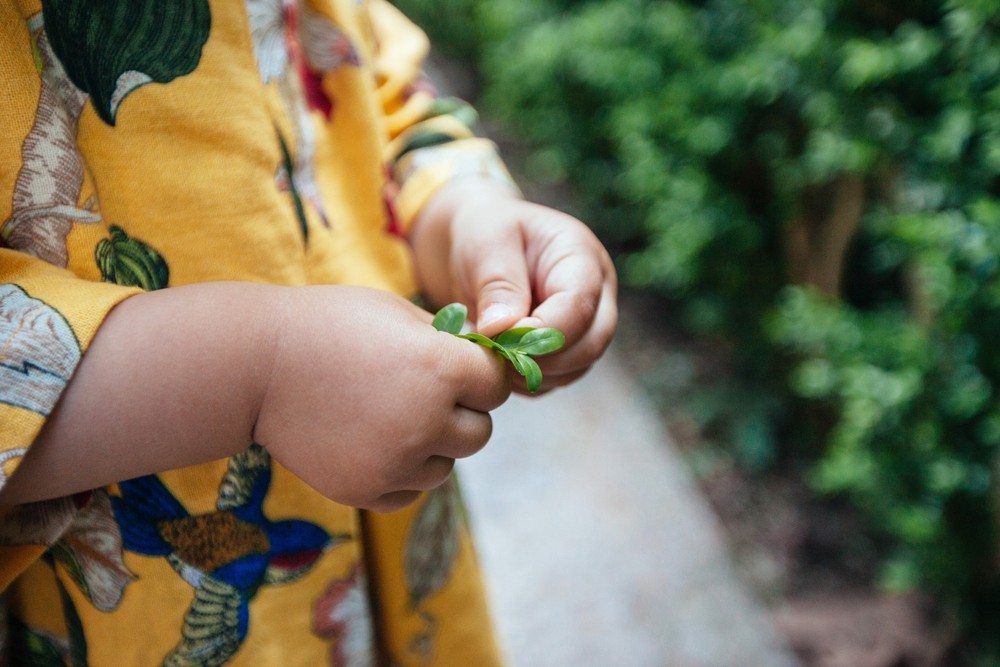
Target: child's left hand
[[515, 263]]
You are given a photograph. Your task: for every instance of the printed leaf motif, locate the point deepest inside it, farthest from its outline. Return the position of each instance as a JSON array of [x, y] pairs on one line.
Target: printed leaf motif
[[91, 551], [125, 260], [286, 178], [432, 545], [77, 637], [110, 49], [40, 351]]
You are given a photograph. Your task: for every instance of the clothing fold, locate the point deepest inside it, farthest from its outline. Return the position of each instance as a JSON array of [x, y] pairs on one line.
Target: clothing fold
[[152, 145]]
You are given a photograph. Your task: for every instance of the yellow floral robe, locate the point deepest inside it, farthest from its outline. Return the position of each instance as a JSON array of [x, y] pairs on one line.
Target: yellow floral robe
[[149, 144]]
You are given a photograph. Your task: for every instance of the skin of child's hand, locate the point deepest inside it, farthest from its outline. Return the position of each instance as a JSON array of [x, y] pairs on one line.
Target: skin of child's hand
[[515, 263], [367, 403]]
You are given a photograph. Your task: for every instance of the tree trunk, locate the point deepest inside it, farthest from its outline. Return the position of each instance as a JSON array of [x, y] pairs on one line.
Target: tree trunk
[[819, 236]]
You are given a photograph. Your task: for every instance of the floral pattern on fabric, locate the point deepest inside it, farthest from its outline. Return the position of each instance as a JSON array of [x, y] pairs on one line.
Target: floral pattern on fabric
[[110, 49], [285, 181], [39, 523], [91, 551], [49, 182], [225, 555], [125, 260], [341, 616], [431, 550], [295, 47], [111, 177], [35, 646], [39, 351]]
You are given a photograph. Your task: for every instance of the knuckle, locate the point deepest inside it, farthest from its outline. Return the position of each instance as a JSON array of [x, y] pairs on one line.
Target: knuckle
[[586, 303], [497, 284]]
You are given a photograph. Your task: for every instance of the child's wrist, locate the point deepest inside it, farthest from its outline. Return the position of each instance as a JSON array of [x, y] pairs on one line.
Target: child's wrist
[[276, 315]]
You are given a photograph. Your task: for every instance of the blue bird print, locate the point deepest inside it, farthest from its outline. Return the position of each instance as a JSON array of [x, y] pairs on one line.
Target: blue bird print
[[225, 555]]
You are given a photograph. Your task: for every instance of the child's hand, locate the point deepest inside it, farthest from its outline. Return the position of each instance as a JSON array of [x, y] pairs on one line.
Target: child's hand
[[367, 402], [515, 263]]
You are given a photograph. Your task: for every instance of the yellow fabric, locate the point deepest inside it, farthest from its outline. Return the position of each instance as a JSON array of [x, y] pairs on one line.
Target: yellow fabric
[[198, 140]]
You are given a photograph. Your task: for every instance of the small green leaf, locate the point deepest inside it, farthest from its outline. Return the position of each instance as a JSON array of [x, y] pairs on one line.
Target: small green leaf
[[512, 337], [484, 341], [516, 345], [532, 373], [517, 361], [541, 341], [451, 318]]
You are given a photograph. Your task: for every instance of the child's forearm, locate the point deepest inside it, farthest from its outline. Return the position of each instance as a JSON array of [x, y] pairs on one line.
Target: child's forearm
[[172, 378], [193, 374]]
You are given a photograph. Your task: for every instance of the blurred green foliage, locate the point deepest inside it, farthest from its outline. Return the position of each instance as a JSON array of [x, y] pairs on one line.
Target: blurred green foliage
[[814, 181]]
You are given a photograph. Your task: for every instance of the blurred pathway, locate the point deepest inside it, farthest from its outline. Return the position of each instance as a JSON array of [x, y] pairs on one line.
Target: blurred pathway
[[598, 549]]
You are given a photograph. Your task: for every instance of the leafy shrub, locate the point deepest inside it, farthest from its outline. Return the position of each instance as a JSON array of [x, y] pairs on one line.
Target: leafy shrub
[[816, 181]]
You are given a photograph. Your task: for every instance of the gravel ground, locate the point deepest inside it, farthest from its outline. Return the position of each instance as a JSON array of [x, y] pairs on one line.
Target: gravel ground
[[597, 547]]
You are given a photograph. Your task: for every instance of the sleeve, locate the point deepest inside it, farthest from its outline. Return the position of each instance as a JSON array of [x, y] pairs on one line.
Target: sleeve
[[48, 313], [432, 140]]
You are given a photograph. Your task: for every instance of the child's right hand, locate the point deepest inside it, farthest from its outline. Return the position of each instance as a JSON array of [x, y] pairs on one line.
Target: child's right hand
[[367, 403]]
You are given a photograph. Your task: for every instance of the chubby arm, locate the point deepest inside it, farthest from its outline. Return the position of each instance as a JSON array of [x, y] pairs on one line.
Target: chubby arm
[[196, 373], [172, 378]]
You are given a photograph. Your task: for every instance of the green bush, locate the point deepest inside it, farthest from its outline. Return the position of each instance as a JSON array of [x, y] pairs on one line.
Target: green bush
[[814, 181]]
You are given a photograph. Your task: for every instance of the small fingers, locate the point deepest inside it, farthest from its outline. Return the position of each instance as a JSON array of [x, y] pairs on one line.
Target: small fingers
[[480, 378], [422, 475], [570, 297], [588, 323], [501, 286], [469, 432]]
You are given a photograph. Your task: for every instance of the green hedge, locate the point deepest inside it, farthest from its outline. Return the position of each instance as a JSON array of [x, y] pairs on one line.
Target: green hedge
[[814, 181]]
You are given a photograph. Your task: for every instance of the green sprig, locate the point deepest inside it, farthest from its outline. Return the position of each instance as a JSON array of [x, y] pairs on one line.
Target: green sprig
[[517, 345]]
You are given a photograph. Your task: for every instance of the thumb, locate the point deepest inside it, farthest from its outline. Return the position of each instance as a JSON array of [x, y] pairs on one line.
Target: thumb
[[502, 290]]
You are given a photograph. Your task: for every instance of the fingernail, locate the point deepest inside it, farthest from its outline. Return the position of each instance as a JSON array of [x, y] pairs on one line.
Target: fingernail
[[494, 313]]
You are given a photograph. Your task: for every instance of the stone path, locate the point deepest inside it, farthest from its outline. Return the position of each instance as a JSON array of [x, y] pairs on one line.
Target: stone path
[[598, 549]]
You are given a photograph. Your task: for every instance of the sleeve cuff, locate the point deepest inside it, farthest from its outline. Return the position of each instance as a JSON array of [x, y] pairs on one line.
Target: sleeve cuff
[[48, 316], [420, 173]]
